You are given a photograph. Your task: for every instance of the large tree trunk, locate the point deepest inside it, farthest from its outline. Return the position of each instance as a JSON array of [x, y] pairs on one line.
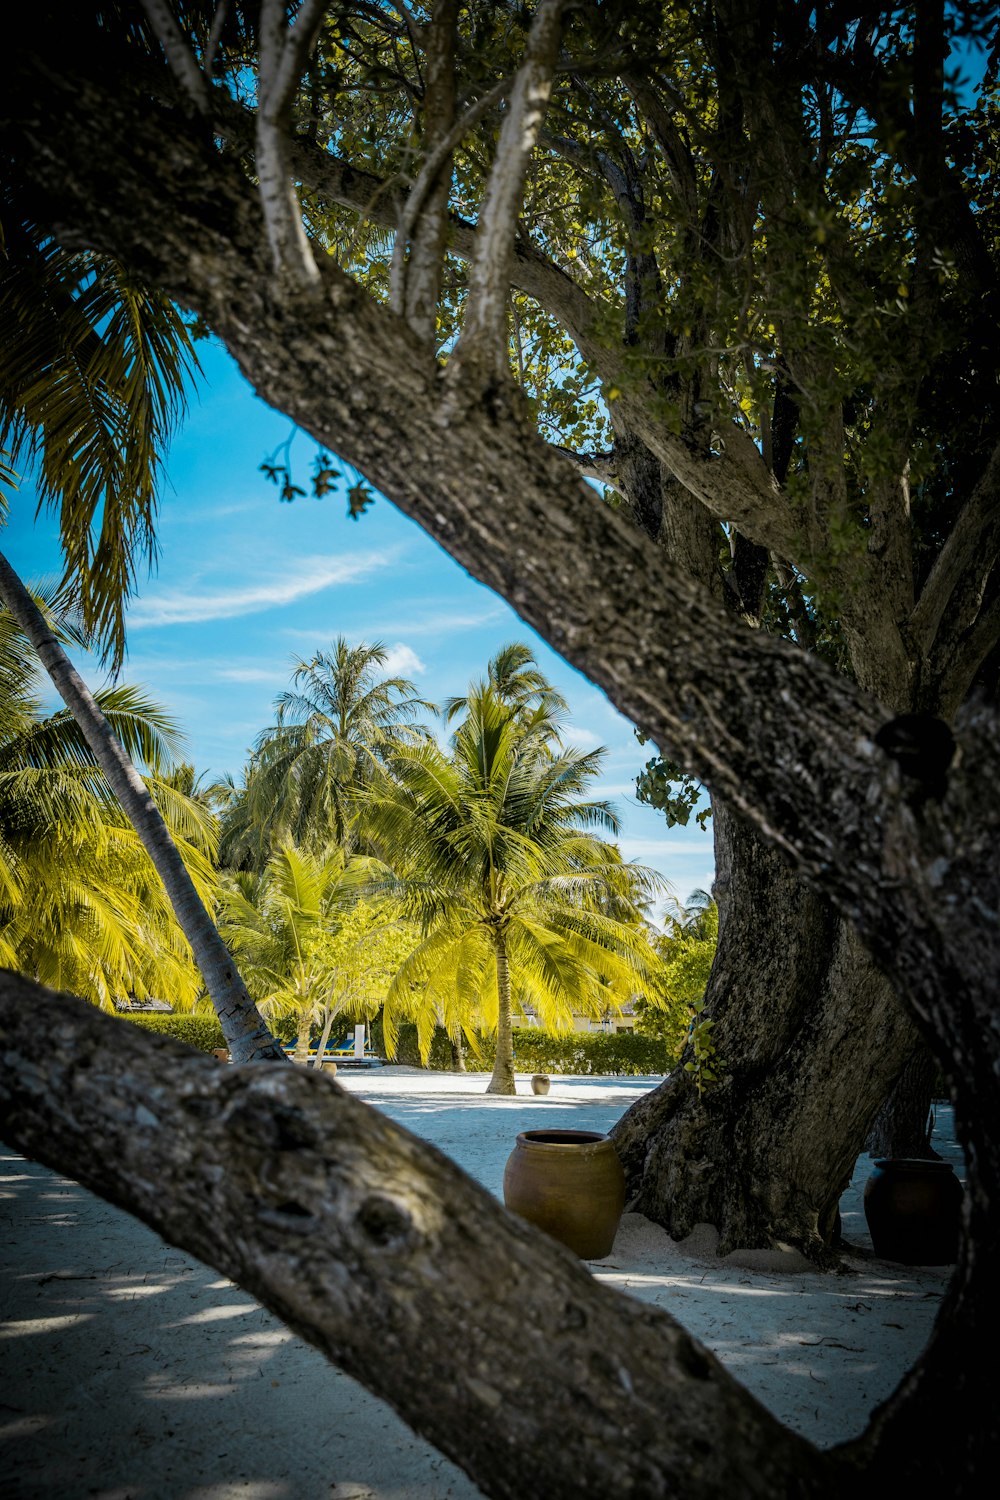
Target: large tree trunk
[[377, 1249], [903, 1125], [809, 1038], [247, 1037]]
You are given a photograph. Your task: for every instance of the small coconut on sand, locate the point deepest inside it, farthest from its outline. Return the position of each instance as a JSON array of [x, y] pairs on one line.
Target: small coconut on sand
[[130, 1371]]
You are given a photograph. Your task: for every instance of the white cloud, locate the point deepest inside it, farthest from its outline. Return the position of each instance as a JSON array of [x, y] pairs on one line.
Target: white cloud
[[402, 661], [185, 607], [253, 674], [440, 624], [661, 850], [584, 739]]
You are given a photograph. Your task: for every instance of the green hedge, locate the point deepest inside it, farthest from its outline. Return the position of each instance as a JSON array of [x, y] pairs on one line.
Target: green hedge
[[621, 1052], [203, 1032], [407, 1050]]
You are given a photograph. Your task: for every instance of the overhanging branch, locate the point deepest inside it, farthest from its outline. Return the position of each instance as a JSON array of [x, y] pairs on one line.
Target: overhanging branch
[[487, 1337]]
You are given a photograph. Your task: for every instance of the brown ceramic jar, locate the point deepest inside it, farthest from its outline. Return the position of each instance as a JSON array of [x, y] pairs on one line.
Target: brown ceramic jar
[[569, 1183]]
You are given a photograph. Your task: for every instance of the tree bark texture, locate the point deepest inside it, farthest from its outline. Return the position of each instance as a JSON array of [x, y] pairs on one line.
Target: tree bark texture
[[809, 1038], [902, 1126], [247, 1038], [502, 1081], [489, 1338]]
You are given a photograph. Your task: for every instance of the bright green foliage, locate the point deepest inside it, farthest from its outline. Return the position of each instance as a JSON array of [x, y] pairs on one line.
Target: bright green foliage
[[361, 956], [203, 1032], [703, 1065], [674, 1009], [332, 738], [624, 1053], [519, 900], [278, 925], [81, 907], [92, 383], [665, 785]]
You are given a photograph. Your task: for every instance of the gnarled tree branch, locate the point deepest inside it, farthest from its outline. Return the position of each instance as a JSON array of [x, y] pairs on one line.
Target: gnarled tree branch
[[376, 1248]]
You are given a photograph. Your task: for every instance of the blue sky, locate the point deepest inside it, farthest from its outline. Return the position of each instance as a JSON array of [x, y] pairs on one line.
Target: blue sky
[[245, 584]]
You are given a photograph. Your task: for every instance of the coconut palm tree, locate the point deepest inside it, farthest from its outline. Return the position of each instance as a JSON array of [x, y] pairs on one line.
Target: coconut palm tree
[[275, 922], [92, 383], [517, 681], [81, 906], [518, 897], [334, 733], [246, 1035]]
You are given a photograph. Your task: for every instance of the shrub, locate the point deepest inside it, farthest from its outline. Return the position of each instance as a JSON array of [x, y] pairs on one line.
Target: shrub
[[408, 1052], [202, 1032], [535, 1051]]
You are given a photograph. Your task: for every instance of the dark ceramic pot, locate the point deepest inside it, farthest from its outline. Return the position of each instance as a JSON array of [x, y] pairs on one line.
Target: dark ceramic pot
[[569, 1183], [914, 1211]]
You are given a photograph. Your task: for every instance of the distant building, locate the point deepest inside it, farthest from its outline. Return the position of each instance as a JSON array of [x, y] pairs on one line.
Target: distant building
[[611, 1021]]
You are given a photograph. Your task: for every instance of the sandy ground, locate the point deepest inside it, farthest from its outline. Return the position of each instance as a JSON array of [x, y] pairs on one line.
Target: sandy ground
[[130, 1371]]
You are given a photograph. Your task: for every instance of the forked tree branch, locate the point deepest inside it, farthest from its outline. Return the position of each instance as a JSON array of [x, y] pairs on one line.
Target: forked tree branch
[[283, 50], [483, 340], [429, 176], [734, 486]]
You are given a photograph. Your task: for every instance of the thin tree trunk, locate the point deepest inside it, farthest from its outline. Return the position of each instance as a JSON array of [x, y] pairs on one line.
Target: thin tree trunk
[[325, 1038], [502, 1081], [457, 1052], [247, 1037]]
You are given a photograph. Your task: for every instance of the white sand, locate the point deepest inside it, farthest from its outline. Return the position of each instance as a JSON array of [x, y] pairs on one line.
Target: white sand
[[130, 1371]]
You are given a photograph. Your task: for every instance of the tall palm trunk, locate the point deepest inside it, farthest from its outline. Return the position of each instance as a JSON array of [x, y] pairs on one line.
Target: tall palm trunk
[[247, 1037], [502, 1081]]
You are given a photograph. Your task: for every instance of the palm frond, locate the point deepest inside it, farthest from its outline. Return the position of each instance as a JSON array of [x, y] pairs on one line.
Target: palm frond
[[94, 380]]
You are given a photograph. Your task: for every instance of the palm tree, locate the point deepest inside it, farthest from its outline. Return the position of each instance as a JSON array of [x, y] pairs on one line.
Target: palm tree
[[275, 922], [247, 1038], [92, 384], [334, 733], [81, 906], [516, 893], [517, 681]]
